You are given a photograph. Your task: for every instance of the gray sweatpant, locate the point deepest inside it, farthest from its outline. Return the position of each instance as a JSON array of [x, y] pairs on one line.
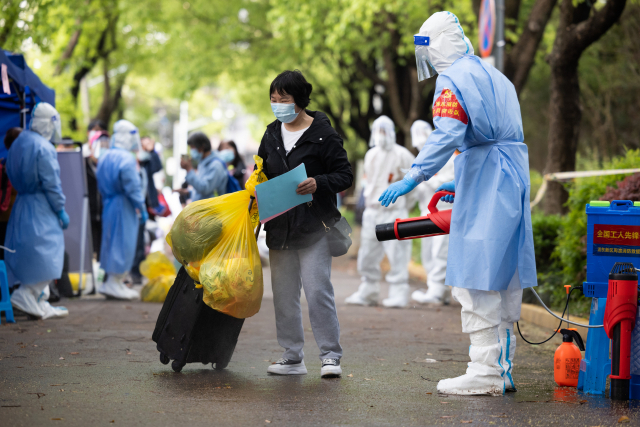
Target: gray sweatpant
[[311, 268]]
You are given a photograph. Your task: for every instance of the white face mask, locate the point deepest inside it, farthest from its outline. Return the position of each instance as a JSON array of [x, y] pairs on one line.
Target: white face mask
[[383, 141]]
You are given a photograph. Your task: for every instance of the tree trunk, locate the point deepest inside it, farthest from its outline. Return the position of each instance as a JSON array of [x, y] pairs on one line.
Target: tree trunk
[[521, 57], [565, 114], [579, 27]]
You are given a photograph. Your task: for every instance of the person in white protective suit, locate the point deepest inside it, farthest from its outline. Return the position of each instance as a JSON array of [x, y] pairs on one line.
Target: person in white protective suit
[[34, 232], [384, 164], [434, 249], [123, 200], [491, 256]]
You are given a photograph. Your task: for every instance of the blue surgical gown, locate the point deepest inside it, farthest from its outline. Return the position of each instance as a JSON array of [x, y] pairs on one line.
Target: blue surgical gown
[[211, 177], [34, 230], [476, 111], [121, 189]]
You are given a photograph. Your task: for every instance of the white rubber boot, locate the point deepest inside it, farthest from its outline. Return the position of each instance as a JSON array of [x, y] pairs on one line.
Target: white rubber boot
[[25, 299], [48, 310], [484, 374], [435, 296], [115, 288], [508, 344], [367, 294], [398, 296]]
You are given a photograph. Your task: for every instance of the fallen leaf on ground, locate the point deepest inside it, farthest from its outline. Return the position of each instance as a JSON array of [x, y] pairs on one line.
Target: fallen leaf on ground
[[369, 379], [624, 419], [466, 421], [35, 345], [429, 392], [267, 421], [56, 419], [38, 394], [74, 353], [61, 358], [350, 375], [61, 389], [112, 421]]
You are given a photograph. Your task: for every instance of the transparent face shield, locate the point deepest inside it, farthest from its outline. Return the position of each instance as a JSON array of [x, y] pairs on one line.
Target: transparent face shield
[[425, 69]]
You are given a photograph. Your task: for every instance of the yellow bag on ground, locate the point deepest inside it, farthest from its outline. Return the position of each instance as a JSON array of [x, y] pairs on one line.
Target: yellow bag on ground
[[161, 274], [198, 228], [215, 242]]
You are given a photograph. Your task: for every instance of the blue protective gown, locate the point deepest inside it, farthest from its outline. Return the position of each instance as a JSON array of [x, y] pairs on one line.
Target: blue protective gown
[[121, 189], [211, 177], [491, 232], [34, 230]]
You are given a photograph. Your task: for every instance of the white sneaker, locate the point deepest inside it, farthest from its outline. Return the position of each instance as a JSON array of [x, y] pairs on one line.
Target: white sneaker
[[330, 368], [425, 297], [24, 300], [367, 294], [115, 288], [398, 296], [288, 367], [483, 377]]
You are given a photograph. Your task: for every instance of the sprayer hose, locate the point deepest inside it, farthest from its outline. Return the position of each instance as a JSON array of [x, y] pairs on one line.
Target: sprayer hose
[[562, 318]]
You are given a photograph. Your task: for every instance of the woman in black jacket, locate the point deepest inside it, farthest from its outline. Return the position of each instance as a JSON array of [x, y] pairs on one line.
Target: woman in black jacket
[[298, 246]]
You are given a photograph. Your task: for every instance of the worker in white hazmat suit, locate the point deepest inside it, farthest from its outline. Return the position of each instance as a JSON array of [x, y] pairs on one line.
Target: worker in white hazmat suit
[[124, 209], [34, 232], [434, 249], [491, 256], [384, 164]]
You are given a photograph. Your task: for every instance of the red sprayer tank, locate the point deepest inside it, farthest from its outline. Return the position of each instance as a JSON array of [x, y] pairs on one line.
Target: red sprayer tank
[[619, 321]]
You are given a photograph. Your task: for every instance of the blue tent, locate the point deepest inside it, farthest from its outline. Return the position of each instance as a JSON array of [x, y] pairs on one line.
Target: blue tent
[[25, 91]]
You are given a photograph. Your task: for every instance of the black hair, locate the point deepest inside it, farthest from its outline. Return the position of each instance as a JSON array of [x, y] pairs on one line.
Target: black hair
[[233, 145], [97, 123], [11, 136], [292, 83], [199, 140]]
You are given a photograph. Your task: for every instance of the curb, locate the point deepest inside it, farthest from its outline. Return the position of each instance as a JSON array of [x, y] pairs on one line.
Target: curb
[[540, 317]]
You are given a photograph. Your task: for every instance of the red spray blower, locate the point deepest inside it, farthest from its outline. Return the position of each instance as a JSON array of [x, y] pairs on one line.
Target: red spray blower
[[435, 223], [619, 321]]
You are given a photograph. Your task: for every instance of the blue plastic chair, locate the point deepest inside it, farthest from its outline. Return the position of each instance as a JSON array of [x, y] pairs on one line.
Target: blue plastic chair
[[5, 300]]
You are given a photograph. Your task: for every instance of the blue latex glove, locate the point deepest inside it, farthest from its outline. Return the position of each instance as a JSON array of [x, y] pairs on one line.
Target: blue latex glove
[[144, 215], [64, 219], [396, 190], [448, 186]]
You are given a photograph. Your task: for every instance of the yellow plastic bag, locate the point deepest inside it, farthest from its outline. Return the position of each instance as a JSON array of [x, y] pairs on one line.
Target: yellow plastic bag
[[200, 226], [223, 255], [161, 274], [157, 289], [74, 278]]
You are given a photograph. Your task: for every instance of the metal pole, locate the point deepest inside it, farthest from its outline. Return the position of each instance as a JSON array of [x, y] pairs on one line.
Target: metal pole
[[83, 243], [500, 35]]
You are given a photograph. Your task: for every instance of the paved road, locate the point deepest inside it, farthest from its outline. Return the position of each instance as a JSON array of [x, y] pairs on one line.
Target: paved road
[[100, 367]]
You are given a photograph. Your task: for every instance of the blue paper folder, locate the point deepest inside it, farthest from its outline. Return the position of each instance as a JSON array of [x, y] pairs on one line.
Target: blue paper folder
[[278, 195]]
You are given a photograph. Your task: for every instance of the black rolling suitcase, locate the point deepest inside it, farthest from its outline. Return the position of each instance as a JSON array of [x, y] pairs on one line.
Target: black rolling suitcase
[[189, 331]]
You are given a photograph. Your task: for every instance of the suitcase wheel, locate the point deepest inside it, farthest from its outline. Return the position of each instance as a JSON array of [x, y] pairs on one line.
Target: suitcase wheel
[[176, 366], [219, 366], [164, 359]]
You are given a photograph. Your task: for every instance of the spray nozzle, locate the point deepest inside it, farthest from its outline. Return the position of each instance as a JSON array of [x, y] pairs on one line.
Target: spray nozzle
[[571, 335]]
